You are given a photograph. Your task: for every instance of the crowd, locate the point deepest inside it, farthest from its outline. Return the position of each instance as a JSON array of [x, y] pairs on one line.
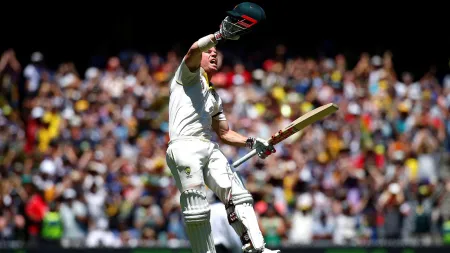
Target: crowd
[[82, 156]]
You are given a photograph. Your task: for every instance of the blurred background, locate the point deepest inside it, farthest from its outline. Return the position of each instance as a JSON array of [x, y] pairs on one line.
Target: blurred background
[[83, 124]]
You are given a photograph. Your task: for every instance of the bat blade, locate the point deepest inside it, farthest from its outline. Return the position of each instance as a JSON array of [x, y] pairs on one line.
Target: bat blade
[[305, 120], [300, 123]]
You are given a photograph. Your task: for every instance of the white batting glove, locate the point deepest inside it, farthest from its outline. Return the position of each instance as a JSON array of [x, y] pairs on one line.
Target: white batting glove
[[263, 148]]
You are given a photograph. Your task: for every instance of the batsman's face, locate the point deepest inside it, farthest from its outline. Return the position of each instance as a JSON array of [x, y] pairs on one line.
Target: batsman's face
[[210, 63]]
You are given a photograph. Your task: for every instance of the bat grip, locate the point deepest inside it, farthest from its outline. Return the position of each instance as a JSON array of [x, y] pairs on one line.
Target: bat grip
[[244, 158]]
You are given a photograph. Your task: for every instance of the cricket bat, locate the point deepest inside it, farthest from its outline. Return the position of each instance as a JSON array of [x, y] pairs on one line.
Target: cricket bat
[[305, 120]]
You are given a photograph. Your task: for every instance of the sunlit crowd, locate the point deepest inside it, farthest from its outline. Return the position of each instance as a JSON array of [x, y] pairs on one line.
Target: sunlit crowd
[[82, 155]]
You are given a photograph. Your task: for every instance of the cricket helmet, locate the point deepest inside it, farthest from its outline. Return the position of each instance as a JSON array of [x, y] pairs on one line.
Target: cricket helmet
[[249, 11]]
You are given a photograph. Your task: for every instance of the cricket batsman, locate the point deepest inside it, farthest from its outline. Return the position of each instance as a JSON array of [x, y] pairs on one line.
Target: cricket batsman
[[195, 112]]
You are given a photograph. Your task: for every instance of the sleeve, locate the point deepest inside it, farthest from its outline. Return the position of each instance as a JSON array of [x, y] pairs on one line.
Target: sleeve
[[219, 113], [184, 76]]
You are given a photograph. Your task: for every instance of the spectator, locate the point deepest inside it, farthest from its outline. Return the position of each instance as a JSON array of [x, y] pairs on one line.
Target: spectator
[[323, 228], [391, 204], [272, 226], [148, 214], [345, 227], [74, 217], [35, 211], [10, 70], [52, 227], [302, 222], [33, 73], [100, 236]]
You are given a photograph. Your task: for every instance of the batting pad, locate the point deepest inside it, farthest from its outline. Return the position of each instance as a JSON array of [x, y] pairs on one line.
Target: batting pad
[[196, 213], [247, 217], [242, 217]]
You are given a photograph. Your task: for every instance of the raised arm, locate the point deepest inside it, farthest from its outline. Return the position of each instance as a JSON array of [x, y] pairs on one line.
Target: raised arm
[[193, 57]]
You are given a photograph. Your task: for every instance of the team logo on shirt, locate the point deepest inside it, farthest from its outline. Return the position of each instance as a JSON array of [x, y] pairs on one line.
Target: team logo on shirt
[[187, 170]]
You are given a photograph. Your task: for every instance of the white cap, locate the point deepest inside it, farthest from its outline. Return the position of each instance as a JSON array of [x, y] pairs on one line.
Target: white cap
[[69, 193], [91, 73], [258, 74], [68, 113], [37, 56], [304, 201], [376, 60], [354, 108], [37, 112], [7, 200], [47, 166], [130, 81], [329, 63], [138, 90], [98, 155], [394, 188], [294, 97], [76, 121], [398, 155]]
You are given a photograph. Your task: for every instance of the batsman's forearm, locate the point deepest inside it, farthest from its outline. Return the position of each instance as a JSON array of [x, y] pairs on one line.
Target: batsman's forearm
[[233, 138]]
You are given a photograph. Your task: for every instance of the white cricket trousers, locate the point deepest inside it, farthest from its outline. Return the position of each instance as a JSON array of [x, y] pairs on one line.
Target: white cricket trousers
[[196, 162]]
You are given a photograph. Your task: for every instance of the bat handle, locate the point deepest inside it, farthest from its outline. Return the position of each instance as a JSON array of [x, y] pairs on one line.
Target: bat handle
[[244, 158]]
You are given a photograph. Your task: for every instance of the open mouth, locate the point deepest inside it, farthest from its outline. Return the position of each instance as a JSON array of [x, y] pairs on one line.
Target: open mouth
[[213, 61]]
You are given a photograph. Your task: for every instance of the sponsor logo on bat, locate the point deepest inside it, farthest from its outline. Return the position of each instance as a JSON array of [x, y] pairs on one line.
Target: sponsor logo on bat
[[283, 135]]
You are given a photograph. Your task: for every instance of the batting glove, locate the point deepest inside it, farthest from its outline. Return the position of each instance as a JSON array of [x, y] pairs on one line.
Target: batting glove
[[263, 148]]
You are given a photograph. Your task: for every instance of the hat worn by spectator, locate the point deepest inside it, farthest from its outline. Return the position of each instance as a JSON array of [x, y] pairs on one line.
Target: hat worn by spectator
[[37, 57], [37, 112], [48, 167], [69, 193], [304, 201]]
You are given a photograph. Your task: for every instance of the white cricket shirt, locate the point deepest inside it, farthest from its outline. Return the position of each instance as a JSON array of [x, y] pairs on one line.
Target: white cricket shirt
[[193, 104]]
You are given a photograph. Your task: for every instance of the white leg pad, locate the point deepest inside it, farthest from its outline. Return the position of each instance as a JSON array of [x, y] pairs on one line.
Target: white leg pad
[[196, 213], [242, 217]]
